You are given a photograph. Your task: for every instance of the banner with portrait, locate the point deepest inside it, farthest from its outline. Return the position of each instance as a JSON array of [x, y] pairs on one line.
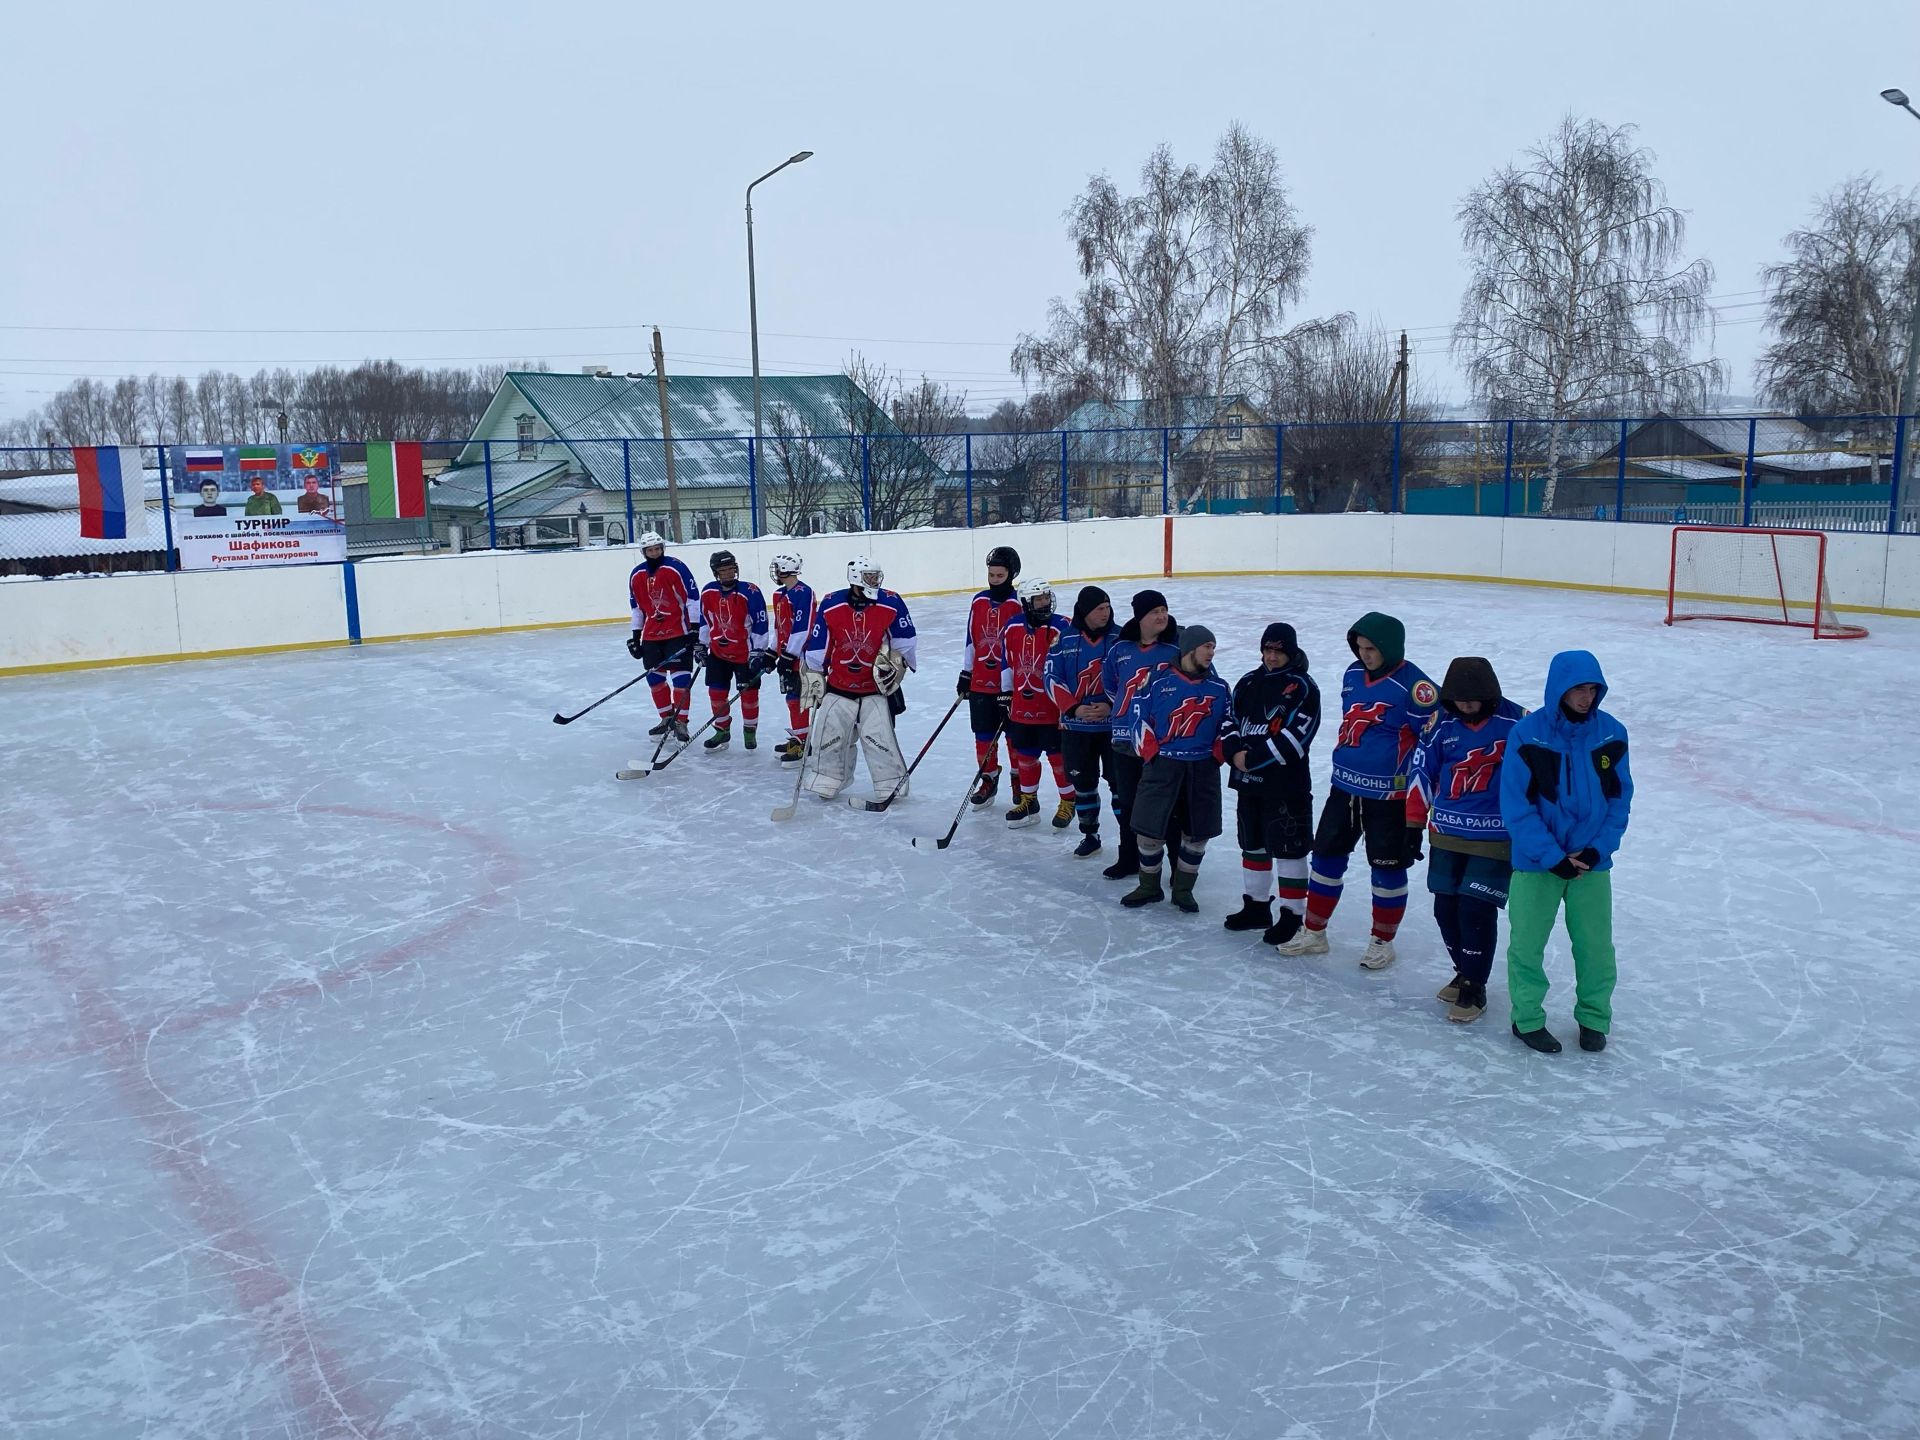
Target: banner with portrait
[[247, 505]]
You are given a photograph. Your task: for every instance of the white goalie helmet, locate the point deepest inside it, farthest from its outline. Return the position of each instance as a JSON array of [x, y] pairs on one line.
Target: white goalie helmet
[[651, 538], [783, 565], [864, 574]]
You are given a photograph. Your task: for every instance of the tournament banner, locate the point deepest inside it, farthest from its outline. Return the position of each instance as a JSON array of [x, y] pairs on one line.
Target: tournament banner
[[240, 542], [242, 506]]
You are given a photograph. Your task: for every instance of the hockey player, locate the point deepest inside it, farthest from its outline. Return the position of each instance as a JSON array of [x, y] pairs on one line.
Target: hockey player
[[982, 661], [1177, 729], [792, 605], [733, 645], [862, 645], [1453, 790], [1033, 717], [1276, 713], [666, 620], [1076, 674], [1386, 704], [1565, 794], [1150, 640]]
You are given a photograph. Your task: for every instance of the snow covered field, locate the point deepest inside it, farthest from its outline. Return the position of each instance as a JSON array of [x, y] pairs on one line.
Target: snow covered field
[[372, 1063]]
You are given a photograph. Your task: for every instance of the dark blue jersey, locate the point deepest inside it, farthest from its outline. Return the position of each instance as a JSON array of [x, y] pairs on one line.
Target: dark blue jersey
[[1453, 780], [1382, 718], [1180, 716], [1077, 675], [1130, 666]]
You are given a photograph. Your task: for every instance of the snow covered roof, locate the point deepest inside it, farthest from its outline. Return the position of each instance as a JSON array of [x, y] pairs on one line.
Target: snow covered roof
[[41, 533]]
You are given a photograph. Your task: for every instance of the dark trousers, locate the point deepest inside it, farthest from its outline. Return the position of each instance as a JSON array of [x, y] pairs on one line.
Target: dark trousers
[[1089, 755]]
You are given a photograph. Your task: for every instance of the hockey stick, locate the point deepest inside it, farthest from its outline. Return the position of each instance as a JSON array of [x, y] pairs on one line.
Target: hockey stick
[[941, 842], [792, 807], [560, 719], [874, 807], [640, 772], [653, 762]]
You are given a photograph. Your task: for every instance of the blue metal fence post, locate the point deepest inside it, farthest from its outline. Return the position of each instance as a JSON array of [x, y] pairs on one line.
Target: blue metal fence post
[[1063, 475], [1620, 479], [969, 479], [753, 491], [626, 479], [1393, 505], [1746, 475], [1279, 466], [866, 483], [1166, 467], [486, 465], [166, 504], [1899, 464], [1506, 476]]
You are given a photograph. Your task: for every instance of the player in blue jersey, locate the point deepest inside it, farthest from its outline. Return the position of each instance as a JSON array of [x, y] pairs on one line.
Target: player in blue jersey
[[1150, 640], [1076, 678], [792, 607], [1177, 728], [1453, 791], [1276, 714], [734, 638], [1386, 704]]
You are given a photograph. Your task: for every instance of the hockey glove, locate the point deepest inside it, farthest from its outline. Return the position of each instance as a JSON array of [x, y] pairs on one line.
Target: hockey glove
[[964, 686], [788, 666], [1415, 850], [633, 644], [1005, 702], [756, 664], [1567, 870], [700, 653]]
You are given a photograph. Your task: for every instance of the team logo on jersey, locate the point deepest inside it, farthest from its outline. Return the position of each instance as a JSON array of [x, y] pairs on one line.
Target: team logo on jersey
[[1424, 695], [1473, 772], [1187, 715], [1361, 718], [1136, 682]]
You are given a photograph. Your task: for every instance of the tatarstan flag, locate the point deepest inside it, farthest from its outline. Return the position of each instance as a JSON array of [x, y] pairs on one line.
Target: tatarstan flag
[[396, 485], [258, 457]]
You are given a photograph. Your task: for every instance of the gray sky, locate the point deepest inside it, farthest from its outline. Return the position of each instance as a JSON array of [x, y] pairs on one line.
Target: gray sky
[[407, 172]]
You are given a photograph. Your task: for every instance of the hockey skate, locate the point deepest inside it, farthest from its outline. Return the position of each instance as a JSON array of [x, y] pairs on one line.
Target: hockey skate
[[720, 738], [1089, 845], [792, 749], [1252, 915], [1468, 1004], [1025, 811], [1308, 942], [1378, 955], [666, 724], [1063, 813], [748, 735], [984, 792], [680, 730]]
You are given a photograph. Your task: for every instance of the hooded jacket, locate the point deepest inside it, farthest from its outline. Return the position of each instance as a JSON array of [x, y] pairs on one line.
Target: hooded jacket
[[1077, 665], [1383, 713], [1566, 787], [1130, 666], [1453, 780], [1276, 714]]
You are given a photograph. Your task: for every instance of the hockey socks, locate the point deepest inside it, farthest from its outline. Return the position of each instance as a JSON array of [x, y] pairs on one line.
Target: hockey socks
[[657, 687], [796, 719], [1291, 883], [1325, 877], [986, 754], [1062, 781], [722, 712], [1256, 875], [1389, 901]]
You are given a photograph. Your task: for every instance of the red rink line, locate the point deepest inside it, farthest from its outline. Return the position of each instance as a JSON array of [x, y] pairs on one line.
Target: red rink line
[[1709, 778]]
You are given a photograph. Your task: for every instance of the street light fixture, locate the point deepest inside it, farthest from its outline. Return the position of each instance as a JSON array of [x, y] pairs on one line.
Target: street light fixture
[[1910, 384], [753, 300]]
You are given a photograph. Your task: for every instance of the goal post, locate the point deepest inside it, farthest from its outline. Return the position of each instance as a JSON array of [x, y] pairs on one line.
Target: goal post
[[1762, 577]]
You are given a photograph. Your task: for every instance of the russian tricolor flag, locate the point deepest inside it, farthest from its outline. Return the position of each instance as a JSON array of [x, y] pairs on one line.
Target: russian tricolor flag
[[113, 492]]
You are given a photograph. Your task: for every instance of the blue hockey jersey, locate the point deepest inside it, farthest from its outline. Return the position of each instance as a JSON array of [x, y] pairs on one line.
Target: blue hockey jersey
[[1130, 666], [1453, 780], [1180, 716], [1077, 675], [1381, 721]]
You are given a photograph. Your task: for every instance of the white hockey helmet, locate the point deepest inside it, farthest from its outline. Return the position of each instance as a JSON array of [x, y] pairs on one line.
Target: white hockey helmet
[[864, 574], [783, 565], [651, 538], [1031, 590]]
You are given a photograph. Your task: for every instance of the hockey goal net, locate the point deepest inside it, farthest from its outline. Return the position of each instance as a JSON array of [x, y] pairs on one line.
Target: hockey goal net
[[1765, 577]]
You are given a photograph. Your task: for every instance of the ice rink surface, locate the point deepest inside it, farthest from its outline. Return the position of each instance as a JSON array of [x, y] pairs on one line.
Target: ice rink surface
[[372, 1063]]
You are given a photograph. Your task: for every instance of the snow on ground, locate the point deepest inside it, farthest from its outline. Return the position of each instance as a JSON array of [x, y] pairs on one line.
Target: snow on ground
[[372, 1063]]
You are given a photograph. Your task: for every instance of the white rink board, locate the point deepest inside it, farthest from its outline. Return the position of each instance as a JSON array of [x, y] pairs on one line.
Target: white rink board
[[421, 1079]]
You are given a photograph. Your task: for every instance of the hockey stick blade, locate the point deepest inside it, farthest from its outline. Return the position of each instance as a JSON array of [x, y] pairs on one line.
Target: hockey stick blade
[[933, 842], [639, 770], [870, 807]]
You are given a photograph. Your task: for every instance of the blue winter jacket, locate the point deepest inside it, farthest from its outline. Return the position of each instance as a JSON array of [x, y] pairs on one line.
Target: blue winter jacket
[[1566, 787]]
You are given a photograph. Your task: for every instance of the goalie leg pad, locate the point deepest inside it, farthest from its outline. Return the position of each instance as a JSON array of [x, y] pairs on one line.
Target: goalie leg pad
[[834, 727], [885, 766]]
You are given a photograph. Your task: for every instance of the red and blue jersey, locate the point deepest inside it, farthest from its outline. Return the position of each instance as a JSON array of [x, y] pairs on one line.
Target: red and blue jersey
[[664, 599], [1381, 721], [847, 636], [1181, 716], [733, 620], [1077, 675], [1024, 677], [1129, 668], [792, 617], [1453, 780], [988, 617]]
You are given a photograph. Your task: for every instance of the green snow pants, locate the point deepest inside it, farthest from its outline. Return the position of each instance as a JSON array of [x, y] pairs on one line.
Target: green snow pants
[[1533, 902]]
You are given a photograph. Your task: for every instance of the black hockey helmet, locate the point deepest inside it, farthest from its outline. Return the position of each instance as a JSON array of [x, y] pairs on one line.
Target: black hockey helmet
[[720, 559], [1006, 556]]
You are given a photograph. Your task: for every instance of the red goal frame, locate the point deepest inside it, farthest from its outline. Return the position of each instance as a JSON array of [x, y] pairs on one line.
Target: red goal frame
[[1823, 625]]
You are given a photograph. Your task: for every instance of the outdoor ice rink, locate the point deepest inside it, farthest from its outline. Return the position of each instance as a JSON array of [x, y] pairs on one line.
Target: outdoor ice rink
[[372, 1063]]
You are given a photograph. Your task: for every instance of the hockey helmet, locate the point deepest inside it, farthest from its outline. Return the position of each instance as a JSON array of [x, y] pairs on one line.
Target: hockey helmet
[[720, 560], [783, 565], [652, 539], [1007, 558], [864, 574], [1030, 592]]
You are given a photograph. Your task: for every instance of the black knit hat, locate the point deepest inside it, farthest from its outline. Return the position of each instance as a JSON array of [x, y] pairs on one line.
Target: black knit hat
[[1193, 637], [1090, 599], [1281, 634], [1145, 600]]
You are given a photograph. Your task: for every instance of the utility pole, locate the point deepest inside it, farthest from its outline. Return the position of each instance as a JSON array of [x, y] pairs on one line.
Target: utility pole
[[666, 436], [1909, 402], [1401, 370]]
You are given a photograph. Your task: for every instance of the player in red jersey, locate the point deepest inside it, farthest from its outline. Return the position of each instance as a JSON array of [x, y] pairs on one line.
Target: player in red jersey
[[666, 614], [792, 604], [982, 662], [861, 646], [733, 646], [1033, 716]]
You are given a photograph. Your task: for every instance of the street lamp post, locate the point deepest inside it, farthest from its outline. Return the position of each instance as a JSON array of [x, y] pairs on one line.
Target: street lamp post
[[753, 300], [1910, 383]]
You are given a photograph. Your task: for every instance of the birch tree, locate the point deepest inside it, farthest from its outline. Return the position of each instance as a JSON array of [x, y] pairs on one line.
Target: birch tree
[[1580, 302]]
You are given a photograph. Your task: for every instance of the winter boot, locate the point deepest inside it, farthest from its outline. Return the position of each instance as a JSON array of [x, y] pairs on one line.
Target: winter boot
[[747, 733], [680, 730], [1379, 954], [1183, 891], [1089, 845], [1129, 861], [1469, 1003], [1252, 915], [666, 724], [1146, 891], [1063, 813], [1541, 1040], [1283, 929], [1307, 942], [1592, 1039], [985, 790], [791, 749], [1450, 992], [720, 738], [1025, 811]]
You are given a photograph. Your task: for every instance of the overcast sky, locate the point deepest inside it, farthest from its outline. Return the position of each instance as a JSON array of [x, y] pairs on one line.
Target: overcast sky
[[208, 184]]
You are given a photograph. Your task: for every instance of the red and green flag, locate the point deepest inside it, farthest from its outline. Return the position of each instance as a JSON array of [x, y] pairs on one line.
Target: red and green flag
[[396, 484], [256, 458], [308, 457]]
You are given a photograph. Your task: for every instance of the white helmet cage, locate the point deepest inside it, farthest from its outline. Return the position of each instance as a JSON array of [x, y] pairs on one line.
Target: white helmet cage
[[864, 574], [1031, 590], [783, 565]]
